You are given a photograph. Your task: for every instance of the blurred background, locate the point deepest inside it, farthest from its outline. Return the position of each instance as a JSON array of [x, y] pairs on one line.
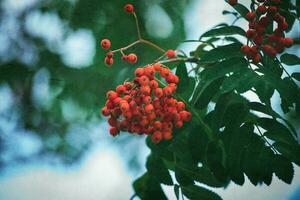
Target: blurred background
[[54, 145]]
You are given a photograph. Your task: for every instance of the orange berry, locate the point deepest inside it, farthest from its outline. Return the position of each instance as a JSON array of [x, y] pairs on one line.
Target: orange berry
[[132, 58], [170, 53]]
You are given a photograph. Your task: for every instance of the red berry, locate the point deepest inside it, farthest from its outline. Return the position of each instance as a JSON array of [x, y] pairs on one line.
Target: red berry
[[109, 61], [109, 54], [232, 2], [250, 16], [170, 53], [129, 8], [105, 44], [250, 33], [132, 58], [156, 137], [114, 131], [261, 9]]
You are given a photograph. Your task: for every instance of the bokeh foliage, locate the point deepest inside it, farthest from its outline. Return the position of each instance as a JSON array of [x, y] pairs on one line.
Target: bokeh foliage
[[84, 87]]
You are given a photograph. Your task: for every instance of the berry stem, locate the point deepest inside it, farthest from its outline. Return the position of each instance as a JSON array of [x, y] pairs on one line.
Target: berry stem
[[190, 59], [126, 47], [137, 26], [152, 44], [288, 74]]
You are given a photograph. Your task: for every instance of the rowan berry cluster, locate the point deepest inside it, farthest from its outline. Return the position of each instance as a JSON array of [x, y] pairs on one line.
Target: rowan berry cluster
[[262, 18], [143, 107]]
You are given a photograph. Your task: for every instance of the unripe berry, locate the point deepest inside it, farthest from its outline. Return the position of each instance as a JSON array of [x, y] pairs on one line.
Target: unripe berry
[[105, 44], [129, 8], [170, 53]]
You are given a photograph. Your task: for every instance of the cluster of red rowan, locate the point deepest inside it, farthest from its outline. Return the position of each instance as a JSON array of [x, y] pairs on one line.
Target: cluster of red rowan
[[143, 107], [266, 12]]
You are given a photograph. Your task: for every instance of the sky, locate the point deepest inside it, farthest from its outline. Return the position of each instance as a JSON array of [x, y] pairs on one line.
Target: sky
[[103, 174]]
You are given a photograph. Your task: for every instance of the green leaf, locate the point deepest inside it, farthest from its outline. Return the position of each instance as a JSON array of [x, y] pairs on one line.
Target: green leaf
[[269, 111], [290, 59], [241, 80], [182, 177], [276, 131], [215, 157], [257, 161], [264, 90], [197, 143], [296, 76], [176, 191], [222, 52], [182, 73], [223, 31], [241, 9], [157, 169], [283, 168], [291, 152], [200, 174], [146, 187], [207, 93], [196, 192]]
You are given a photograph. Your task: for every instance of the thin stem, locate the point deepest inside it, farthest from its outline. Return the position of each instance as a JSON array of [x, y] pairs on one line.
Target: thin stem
[[137, 26], [285, 70], [191, 59], [126, 47], [263, 137], [152, 44]]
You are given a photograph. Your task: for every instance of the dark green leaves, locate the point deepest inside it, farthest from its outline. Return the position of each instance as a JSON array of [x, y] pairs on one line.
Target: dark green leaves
[[296, 76], [186, 84], [241, 9], [283, 168], [222, 52], [148, 188], [156, 168], [225, 30], [290, 59], [194, 192]]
